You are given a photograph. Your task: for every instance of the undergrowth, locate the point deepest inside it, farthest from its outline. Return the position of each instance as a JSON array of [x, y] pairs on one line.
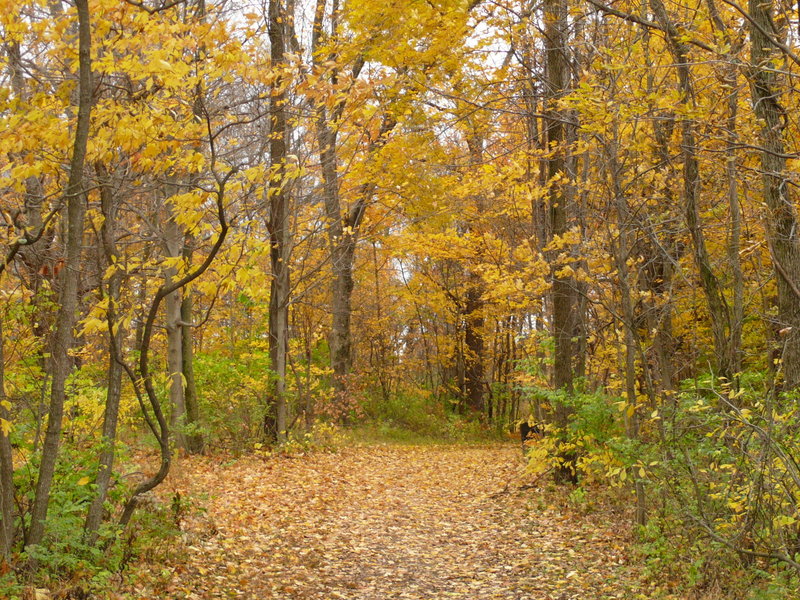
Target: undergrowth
[[717, 471]]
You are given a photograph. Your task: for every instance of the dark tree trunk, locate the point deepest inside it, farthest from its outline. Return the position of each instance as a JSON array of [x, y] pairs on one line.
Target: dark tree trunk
[[556, 44], [474, 354], [563, 284], [194, 439], [782, 223], [116, 334], [474, 384], [7, 508], [70, 275], [342, 225], [279, 226]]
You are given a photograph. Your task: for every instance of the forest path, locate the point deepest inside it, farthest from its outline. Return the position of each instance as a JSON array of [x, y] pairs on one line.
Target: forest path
[[392, 522]]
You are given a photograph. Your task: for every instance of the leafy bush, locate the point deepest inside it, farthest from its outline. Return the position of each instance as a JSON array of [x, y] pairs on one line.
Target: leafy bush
[[719, 469], [417, 416], [415, 412], [231, 392], [64, 553]]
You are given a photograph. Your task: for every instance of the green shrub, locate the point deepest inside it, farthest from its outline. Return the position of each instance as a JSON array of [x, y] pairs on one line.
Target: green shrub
[[719, 468], [231, 391]]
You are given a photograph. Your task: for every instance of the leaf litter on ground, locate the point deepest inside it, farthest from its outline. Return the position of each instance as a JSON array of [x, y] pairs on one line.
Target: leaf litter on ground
[[391, 522]]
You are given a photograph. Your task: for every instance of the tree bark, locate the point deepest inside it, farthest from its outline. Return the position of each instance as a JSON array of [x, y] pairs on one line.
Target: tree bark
[[70, 275], [473, 340], [621, 255], [474, 384], [194, 440], [556, 44], [108, 205], [781, 219], [343, 226], [7, 508], [563, 284], [279, 225], [173, 242], [730, 79]]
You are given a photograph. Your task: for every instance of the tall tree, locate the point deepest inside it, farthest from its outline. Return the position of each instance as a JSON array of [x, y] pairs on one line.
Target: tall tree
[[70, 277], [173, 239], [279, 219], [557, 84], [7, 507], [109, 208], [474, 384], [782, 221], [719, 311]]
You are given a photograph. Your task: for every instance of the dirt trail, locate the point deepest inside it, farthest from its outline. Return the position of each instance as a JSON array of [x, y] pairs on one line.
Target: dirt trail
[[422, 523]]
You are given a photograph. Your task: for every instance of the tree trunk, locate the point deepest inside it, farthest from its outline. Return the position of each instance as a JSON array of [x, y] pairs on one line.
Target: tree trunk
[[157, 422], [563, 286], [782, 225], [7, 508], [734, 244], [342, 226], [70, 275], [659, 276], [33, 256], [730, 80], [194, 439], [556, 44], [474, 384], [343, 252], [279, 226], [342, 245], [173, 239], [623, 249], [116, 333], [474, 354]]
